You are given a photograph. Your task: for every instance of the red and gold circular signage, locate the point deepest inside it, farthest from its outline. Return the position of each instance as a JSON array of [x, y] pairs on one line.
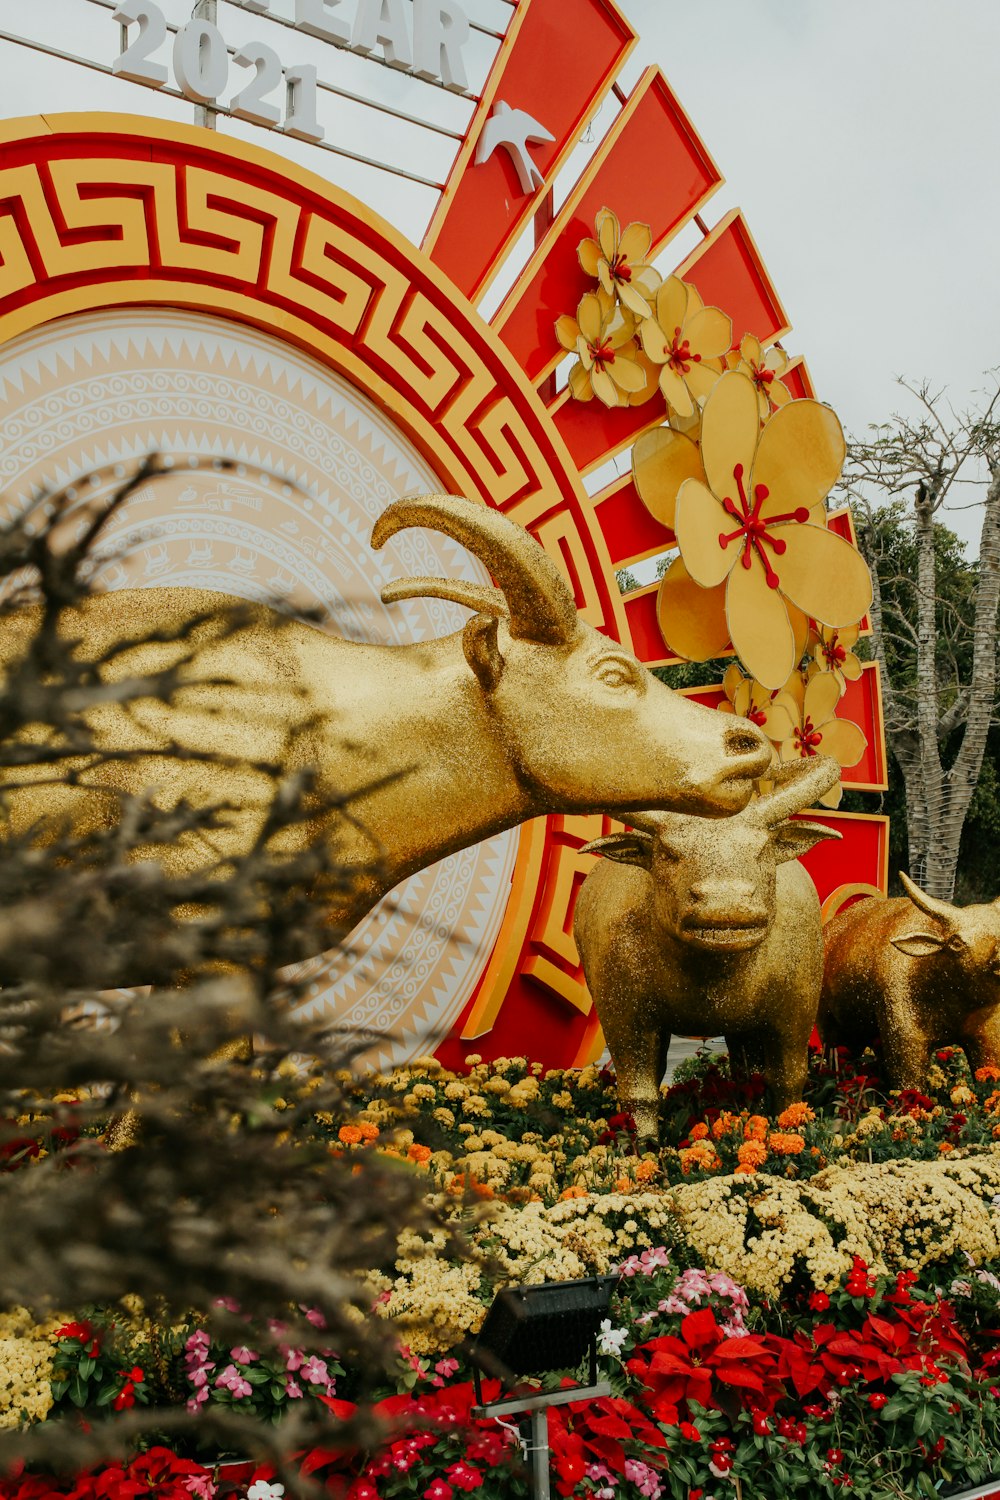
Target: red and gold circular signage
[[162, 289]]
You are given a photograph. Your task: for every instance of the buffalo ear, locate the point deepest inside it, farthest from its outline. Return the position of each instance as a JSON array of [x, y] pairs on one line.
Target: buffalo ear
[[479, 642], [918, 944], [630, 848], [795, 837]]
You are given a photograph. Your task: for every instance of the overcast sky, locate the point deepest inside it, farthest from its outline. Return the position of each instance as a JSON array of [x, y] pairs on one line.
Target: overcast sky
[[860, 137]]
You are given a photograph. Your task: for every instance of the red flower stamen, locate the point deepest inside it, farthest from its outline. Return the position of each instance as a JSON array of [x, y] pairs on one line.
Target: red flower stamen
[[834, 653], [679, 356], [603, 354], [620, 269], [807, 738], [753, 526], [756, 715]]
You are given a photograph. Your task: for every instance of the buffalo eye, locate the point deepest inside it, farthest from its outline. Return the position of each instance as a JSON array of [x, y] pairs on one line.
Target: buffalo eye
[[956, 943], [616, 672]]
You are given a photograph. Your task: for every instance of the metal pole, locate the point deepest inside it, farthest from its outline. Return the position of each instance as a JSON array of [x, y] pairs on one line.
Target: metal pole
[[540, 1454], [205, 10]]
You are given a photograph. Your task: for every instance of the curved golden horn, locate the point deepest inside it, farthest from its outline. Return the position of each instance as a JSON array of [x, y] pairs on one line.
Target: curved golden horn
[[478, 596], [943, 910], [538, 596], [798, 783]]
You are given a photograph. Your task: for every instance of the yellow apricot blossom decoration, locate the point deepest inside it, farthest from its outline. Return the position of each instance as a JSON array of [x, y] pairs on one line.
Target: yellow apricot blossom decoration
[[831, 652], [749, 700], [816, 730], [757, 528], [601, 336], [764, 369], [661, 461], [619, 261], [687, 340]]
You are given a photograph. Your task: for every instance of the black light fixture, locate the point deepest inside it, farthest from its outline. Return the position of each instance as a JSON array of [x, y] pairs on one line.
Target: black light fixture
[[531, 1330]]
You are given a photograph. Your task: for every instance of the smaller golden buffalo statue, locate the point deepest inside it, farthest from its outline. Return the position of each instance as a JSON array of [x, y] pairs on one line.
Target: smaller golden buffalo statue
[[696, 926], [918, 972]]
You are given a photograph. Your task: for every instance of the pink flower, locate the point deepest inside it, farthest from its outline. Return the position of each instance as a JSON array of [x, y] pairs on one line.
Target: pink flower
[[294, 1391], [242, 1355], [315, 1372], [199, 1485], [446, 1367], [644, 1478], [654, 1259], [315, 1317], [293, 1359], [232, 1380]]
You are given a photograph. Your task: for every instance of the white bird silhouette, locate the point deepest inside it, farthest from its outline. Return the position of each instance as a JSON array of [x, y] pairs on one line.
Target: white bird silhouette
[[513, 129]]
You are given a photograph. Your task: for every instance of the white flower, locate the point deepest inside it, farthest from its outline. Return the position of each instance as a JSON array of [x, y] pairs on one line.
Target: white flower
[[261, 1490], [610, 1340]]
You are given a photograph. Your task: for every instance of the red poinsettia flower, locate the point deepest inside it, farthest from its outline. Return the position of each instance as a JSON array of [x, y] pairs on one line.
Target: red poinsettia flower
[[677, 1371]]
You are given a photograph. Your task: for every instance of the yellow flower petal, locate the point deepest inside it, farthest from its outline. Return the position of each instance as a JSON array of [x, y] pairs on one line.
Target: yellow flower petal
[[851, 667], [742, 695], [661, 461], [675, 392], [729, 429], [608, 233], [579, 383], [793, 694], [626, 374], [822, 573], [631, 297], [778, 393], [692, 620], [709, 333], [775, 359], [843, 740], [589, 253], [654, 341], [799, 457], [621, 330], [777, 723], [833, 796], [605, 277], [671, 306], [702, 378], [732, 680], [821, 697], [650, 374], [759, 626], [604, 387], [800, 626], [635, 244], [750, 348], [699, 518], [590, 317], [567, 332]]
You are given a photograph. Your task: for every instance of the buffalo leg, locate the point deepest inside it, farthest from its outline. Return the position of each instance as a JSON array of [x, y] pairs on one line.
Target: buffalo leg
[[982, 1039], [907, 1051], [637, 1056]]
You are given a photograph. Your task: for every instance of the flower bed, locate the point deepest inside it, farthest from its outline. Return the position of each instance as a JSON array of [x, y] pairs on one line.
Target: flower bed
[[807, 1304]]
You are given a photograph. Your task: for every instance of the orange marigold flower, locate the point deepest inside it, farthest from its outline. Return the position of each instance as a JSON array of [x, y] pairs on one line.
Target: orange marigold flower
[[795, 1115], [698, 1132], [645, 1170], [419, 1153], [786, 1145], [701, 1154], [752, 1154], [993, 1101], [725, 1124], [756, 1128], [986, 1072], [996, 1132], [624, 1185], [369, 1132], [349, 1135], [572, 1192], [945, 1146]]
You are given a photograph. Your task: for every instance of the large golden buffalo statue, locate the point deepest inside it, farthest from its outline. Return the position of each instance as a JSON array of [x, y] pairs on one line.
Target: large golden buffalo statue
[[527, 710], [695, 927]]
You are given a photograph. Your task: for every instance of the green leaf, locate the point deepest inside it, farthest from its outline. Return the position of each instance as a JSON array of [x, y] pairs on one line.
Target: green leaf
[[922, 1421]]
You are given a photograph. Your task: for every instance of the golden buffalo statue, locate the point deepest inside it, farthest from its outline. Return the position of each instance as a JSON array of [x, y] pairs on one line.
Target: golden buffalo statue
[[697, 927], [918, 972], [527, 710]]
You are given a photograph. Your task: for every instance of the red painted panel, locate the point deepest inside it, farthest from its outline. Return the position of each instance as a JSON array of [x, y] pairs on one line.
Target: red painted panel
[[862, 702], [593, 431], [651, 168], [558, 63], [647, 642], [629, 529], [859, 857], [729, 273], [799, 381]]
